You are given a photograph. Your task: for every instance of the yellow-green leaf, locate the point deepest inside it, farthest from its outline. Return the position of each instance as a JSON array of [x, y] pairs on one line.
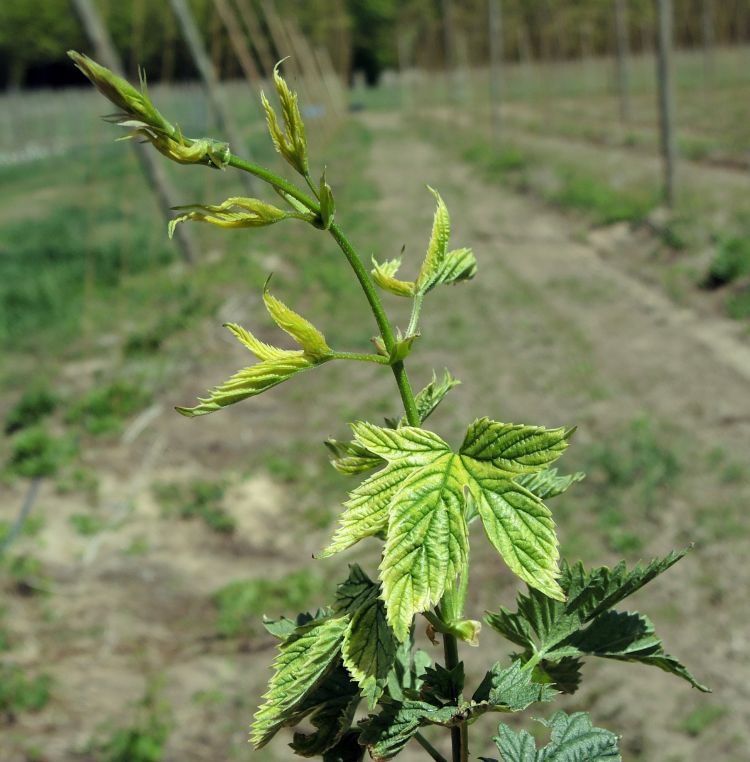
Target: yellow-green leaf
[[250, 382], [302, 331], [438, 247], [383, 274], [303, 661], [235, 212]]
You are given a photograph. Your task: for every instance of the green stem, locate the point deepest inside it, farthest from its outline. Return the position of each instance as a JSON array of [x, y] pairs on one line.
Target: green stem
[[429, 748], [384, 325], [416, 309], [275, 180], [459, 733], [361, 357]]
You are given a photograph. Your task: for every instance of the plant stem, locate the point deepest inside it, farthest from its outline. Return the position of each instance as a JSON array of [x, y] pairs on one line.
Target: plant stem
[[274, 179], [361, 357], [459, 734], [429, 748], [384, 325], [415, 310]]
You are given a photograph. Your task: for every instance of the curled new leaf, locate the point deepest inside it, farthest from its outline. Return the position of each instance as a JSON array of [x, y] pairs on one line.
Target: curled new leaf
[[327, 203], [235, 212], [139, 115], [301, 330], [276, 364], [437, 248], [384, 275], [292, 144]]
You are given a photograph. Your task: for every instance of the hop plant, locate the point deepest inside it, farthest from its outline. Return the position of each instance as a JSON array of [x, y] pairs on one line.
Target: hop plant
[[417, 499]]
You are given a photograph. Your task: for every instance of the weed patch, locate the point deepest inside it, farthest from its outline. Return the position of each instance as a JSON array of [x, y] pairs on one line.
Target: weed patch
[[200, 499], [20, 693], [103, 410], [241, 603]]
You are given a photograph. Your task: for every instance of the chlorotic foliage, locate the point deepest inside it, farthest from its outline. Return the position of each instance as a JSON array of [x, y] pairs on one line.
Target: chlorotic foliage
[[351, 670]]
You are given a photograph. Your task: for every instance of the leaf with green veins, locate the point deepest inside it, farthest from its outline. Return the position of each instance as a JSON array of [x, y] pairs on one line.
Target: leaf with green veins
[[283, 627], [259, 348], [387, 733], [427, 541], [574, 739], [330, 709], [355, 591], [513, 448], [511, 688], [437, 248], [459, 265], [369, 648], [302, 331], [586, 625], [564, 675], [419, 499], [546, 484], [432, 395], [351, 458], [303, 662], [441, 685], [250, 382], [384, 275]]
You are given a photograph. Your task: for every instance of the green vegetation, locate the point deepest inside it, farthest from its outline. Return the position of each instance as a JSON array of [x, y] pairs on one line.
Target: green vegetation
[[35, 403], [20, 693], [242, 603], [200, 499], [630, 474], [103, 410], [87, 524], [418, 497], [732, 261], [144, 739], [34, 452], [703, 717]]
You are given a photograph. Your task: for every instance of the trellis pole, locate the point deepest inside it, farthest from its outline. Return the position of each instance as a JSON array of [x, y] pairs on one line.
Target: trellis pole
[[211, 83], [149, 161], [495, 30], [622, 47], [238, 42], [666, 98]]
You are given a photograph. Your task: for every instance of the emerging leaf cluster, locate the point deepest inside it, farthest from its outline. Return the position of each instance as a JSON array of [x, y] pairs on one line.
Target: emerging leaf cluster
[[417, 501]]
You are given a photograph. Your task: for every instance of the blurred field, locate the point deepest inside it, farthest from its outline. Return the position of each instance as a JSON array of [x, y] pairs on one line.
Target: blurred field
[[133, 590]]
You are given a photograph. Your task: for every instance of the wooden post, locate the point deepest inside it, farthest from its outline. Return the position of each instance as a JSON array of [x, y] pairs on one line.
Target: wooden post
[[708, 38], [495, 30], [622, 46], [238, 41], [149, 161], [666, 97], [257, 36], [211, 84]]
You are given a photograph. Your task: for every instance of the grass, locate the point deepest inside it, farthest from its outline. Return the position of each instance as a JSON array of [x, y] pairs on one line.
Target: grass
[[701, 718], [241, 603], [731, 261], [629, 473], [144, 739], [34, 452], [87, 524], [35, 403], [200, 499], [103, 410], [20, 693]]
